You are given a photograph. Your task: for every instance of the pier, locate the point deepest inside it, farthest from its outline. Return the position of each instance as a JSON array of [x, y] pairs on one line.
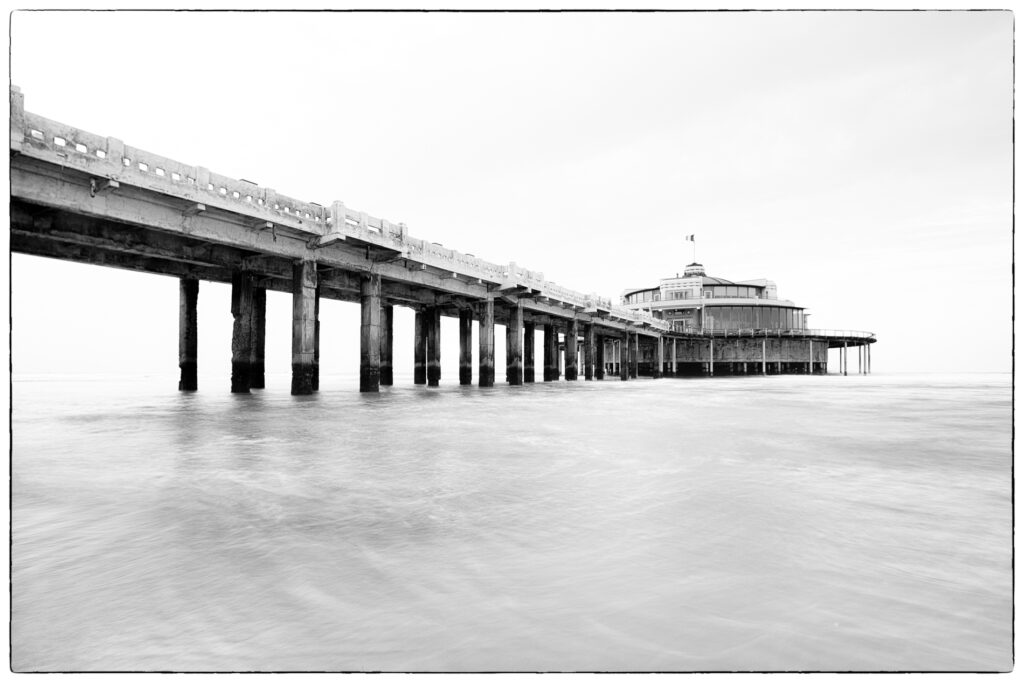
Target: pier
[[81, 197]]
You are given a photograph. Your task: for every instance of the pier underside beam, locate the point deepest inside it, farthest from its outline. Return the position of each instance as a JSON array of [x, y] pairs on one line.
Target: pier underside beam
[[304, 314], [188, 337]]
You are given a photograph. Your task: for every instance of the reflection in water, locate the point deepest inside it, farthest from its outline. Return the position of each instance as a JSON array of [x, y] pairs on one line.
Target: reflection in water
[[808, 523]]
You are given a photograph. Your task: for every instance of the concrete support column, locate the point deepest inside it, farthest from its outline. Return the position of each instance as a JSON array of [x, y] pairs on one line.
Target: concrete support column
[[711, 358], [433, 346], [241, 332], [572, 335], [599, 359], [316, 335], [550, 353], [589, 351], [659, 359], [465, 347], [304, 281], [810, 356], [529, 332], [868, 347], [634, 354], [188, 334], [257, 378], [559, 361], [419, 364], [485, 374], [387, 345], [764, 356], [514, 346], [860, 356], [624, 361], [369, 334]]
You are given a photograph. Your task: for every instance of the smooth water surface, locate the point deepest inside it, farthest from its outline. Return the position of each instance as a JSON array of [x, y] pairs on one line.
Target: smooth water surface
[[746, 523]]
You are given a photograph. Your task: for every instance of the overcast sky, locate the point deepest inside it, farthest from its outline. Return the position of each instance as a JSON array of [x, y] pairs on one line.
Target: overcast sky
[[861, 160]]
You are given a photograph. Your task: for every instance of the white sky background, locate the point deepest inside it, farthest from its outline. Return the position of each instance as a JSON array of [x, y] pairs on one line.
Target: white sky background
[[861, 160]]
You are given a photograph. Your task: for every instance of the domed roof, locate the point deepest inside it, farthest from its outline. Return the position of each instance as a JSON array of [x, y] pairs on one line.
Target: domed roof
[[708, 280]]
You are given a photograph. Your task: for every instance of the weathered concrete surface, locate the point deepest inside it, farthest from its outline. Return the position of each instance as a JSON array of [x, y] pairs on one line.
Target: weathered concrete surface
[[624, 357], [241, 332], [304, 281], [316, 333], [659, 362], [634, 354], [387, 345], [465, 347], [433, 319], [369, 335], [572, 335], [514, 345], [550, 353], [589, 351], [419, 367], [259, 337], [485, 374], [599, 358], [188, 334], [529, 332]]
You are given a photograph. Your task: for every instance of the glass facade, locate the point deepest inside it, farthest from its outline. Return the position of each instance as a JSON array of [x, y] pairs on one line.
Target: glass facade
[[752, 318], [733, 291]]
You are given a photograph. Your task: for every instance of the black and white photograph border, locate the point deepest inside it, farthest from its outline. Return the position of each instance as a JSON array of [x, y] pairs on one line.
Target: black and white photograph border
[[748, 272]]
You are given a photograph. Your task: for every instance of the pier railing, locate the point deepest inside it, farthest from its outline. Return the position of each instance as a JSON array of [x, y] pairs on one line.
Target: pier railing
[[833, 334], [109, 158]]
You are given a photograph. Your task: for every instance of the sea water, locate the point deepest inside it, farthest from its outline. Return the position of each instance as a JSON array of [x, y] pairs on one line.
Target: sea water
[[738, 523]]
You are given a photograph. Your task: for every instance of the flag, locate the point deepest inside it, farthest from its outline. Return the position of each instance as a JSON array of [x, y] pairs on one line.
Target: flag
[[689, 238]]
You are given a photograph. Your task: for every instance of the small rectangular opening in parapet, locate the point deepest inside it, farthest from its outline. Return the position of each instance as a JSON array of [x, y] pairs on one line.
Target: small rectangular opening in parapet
[[191, 180], [248, 198], [143, 166], [159, 171], [209, 186], [236, 194], [175, 176], [223, 190], [37, 134], [79, 147], [126, 161], [59, 141], [101, 154]]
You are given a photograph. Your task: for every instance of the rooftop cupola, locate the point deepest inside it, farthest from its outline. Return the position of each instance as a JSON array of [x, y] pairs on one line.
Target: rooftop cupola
[[693, 269]]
